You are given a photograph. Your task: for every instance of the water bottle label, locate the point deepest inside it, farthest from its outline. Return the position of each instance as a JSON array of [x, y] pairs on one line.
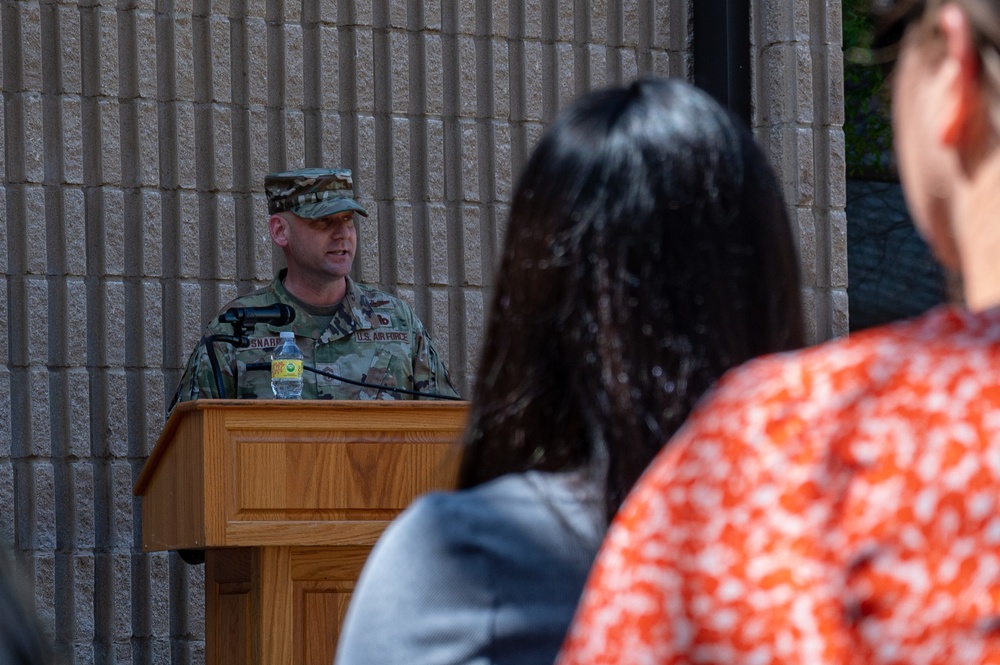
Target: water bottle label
[[286, 369]]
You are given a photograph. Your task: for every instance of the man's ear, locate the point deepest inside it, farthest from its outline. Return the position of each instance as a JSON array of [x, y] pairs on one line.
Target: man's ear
[[278, 226], [962, 67]]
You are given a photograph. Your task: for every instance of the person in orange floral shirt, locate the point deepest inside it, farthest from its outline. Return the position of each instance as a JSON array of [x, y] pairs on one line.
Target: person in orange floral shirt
[[842, 504]]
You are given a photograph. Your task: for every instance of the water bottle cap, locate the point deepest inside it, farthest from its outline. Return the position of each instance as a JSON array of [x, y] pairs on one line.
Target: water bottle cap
[[287, 334]]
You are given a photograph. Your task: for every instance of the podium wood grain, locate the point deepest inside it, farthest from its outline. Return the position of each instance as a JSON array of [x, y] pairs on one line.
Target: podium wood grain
[[287, 499]]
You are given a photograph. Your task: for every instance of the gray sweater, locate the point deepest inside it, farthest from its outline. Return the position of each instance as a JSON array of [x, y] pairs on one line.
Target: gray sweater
[[486, 575]]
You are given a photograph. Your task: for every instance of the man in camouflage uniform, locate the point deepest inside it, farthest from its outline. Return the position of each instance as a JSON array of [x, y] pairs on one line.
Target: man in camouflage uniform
[[342, 327]]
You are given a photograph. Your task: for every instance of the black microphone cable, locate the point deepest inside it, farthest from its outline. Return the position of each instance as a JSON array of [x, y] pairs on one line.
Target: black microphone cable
[[266, 366]]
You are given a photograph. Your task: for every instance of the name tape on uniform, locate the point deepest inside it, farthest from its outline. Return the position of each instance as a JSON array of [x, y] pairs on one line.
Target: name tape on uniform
[[380, 336]]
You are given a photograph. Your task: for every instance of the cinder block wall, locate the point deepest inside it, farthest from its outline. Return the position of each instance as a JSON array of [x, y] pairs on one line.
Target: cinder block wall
[[136, 137], [798, 70]]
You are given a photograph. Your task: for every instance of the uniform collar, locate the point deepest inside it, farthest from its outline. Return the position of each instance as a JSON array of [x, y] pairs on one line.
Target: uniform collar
[[355, 312]]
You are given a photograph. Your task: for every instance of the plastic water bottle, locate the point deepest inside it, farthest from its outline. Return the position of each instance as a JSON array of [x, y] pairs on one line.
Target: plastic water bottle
[[286, 368]]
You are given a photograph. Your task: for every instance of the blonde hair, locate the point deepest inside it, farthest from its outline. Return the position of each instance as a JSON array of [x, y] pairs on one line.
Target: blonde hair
[[916, 22]]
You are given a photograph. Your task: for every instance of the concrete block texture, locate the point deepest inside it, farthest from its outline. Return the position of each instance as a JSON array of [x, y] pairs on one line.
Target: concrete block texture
[[31, 36], [146, 44], [36, 293], [136, 139], [4, 331], [7, 489], [69, 46], [798, 102], [34, 167]]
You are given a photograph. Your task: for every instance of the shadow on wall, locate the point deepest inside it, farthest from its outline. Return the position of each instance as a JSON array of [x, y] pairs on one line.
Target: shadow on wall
[[892, 273], [22, 641]]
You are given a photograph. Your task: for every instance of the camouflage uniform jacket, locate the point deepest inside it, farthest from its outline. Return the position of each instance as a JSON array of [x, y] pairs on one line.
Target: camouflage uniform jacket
[[373, 337]]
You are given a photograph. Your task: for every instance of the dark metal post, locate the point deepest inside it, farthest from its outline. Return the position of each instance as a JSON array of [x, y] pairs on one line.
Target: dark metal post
[[722, 52]]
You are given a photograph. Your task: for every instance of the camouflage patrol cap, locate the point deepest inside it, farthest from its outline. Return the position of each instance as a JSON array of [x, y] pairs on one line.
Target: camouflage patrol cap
[[311, 193]]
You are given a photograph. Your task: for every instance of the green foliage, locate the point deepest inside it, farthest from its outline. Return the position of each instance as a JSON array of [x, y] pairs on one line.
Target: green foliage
[[867, 125], [857, 26]]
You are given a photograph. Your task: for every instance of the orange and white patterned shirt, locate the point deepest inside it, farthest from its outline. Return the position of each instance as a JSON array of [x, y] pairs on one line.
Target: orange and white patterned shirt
[[839, 504]]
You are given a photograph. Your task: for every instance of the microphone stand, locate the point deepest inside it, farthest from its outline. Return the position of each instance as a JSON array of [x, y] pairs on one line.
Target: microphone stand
[[238, 340], [196, 557]]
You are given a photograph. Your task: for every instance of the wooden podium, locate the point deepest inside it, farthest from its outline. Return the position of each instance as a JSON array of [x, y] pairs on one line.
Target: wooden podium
[[287, 499]]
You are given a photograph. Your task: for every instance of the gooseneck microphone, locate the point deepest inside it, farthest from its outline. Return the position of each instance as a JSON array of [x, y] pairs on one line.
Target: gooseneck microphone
[[278, 314]]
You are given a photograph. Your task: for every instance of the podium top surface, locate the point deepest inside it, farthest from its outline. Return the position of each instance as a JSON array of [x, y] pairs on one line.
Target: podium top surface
[[379, 415], [259, 473]]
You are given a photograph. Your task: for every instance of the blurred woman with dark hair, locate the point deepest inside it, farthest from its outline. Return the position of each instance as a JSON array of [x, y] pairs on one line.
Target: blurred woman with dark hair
[[648, 252]]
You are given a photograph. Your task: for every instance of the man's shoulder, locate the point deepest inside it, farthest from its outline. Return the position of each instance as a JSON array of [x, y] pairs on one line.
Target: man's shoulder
[[377, 299], [265, 295], [382, 308]]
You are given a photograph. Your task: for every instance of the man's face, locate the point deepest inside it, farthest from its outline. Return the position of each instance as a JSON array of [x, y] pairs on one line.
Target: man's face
[[317, 249]]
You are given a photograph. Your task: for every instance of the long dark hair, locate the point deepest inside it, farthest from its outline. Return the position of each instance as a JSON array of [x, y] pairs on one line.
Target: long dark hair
[[648, 251]]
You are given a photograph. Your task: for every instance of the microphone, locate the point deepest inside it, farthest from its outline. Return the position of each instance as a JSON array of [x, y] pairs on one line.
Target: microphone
[[277, 314]]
